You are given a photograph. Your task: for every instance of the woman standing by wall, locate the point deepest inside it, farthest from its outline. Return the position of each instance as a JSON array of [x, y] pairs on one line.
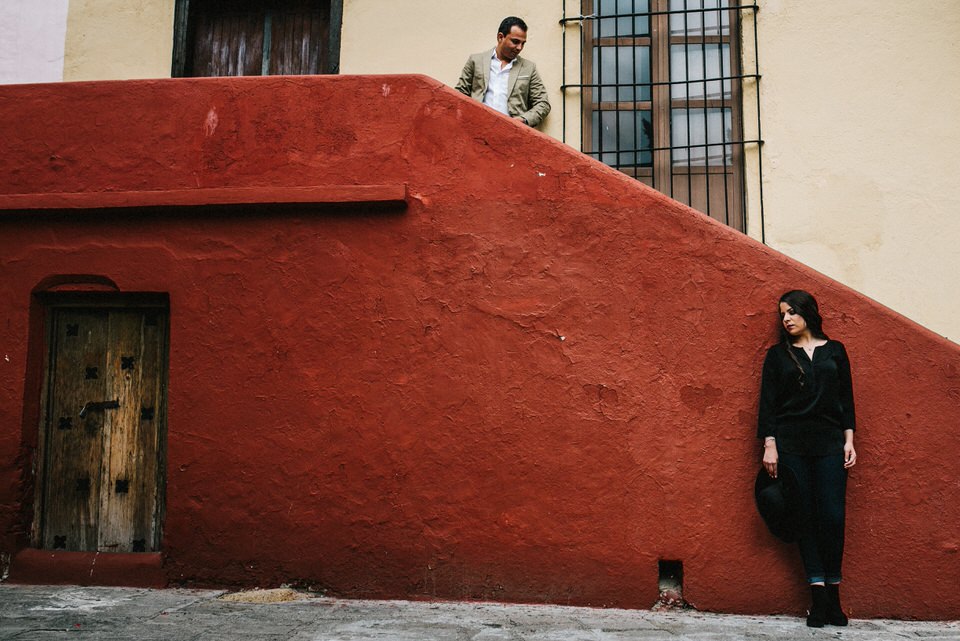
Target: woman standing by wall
[[807, 423]]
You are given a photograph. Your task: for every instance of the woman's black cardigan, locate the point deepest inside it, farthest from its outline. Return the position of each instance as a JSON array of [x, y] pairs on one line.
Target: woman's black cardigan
[[807, 414]]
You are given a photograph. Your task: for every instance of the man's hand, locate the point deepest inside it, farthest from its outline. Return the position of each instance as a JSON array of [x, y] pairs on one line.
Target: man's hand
[[465, 83]]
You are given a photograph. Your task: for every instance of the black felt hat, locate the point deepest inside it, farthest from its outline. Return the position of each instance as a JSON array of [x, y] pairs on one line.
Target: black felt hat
[[777, 502]]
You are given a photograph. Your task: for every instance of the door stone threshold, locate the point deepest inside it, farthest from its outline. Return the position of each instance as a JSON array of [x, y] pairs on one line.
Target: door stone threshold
[[58, 567]]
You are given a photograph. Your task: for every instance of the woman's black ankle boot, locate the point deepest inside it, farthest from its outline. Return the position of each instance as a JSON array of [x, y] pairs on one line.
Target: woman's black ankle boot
[[835, 615], [818, 608]]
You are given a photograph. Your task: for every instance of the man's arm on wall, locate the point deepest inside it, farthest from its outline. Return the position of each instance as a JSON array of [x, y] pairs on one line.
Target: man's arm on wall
[[465, 84], [539, 105]]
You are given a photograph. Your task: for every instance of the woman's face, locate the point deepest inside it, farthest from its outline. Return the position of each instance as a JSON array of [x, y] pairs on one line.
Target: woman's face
[[793, 322]]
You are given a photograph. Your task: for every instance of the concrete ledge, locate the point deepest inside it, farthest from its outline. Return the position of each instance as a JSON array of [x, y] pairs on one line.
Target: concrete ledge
[[319, 194], [46, 567]]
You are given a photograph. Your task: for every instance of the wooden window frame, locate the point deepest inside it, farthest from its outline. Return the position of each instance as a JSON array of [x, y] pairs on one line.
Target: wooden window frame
[[663, 175]]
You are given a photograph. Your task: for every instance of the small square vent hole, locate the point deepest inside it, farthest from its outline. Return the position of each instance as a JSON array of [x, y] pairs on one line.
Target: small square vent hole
[[671, 584]]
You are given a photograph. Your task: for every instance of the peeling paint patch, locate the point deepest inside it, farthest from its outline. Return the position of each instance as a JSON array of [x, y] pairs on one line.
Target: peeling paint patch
[[210, 124], [700, 398], [602, 394]]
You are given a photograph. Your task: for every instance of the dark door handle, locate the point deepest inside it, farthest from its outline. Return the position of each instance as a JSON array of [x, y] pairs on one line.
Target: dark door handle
[[98, 405]]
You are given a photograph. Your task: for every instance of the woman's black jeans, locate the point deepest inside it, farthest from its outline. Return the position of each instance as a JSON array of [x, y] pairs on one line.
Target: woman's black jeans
[[823, 490]]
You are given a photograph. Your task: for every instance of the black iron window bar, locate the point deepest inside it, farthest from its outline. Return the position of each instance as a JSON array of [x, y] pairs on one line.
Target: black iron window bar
[[628, 157]]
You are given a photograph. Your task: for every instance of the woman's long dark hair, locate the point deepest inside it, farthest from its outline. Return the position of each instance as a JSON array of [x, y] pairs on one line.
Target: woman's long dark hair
[[805, 306]]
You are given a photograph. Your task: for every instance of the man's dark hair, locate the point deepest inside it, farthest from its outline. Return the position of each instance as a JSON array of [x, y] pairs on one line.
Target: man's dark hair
[[509, 23]]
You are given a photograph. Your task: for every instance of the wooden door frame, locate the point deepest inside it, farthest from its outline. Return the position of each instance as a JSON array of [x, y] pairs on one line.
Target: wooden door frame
[[50, 302]]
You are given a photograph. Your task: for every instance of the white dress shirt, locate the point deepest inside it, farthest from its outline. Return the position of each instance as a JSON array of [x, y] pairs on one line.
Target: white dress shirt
[[496, 94]]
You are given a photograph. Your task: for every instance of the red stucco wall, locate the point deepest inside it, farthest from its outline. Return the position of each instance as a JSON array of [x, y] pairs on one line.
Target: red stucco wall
[[529, 385]]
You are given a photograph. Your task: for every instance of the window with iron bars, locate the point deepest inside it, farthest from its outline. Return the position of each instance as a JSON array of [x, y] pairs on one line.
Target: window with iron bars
[[661, 97]]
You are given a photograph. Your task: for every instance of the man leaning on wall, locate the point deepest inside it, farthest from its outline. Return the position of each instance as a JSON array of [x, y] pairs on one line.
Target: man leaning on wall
[[501, 79]]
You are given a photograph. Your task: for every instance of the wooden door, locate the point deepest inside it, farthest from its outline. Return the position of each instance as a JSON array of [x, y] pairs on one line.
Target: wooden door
[[103, 446], [252, 38]]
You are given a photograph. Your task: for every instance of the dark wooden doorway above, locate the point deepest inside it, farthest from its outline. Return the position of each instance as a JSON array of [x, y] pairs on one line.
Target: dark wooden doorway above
[[252, 38]]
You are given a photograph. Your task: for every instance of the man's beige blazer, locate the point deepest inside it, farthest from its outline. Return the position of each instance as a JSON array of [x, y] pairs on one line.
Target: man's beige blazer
[[526, 95]]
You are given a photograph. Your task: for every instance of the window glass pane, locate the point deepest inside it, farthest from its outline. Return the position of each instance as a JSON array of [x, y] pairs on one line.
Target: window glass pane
[[687, 64], [623, 138], [621, 18], [700, 17], [628, 67], [703, 131]]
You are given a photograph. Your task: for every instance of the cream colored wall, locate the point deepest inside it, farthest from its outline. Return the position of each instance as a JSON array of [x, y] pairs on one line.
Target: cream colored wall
[[118, 39], [862, 145], [435, 38]]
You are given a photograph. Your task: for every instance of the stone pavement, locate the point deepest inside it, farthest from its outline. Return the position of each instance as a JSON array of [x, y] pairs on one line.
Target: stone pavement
[[41, 613]]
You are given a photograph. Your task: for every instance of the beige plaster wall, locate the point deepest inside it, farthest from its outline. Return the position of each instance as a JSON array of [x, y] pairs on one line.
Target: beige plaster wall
[[859, 107], [118, 39], [435, 38]]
